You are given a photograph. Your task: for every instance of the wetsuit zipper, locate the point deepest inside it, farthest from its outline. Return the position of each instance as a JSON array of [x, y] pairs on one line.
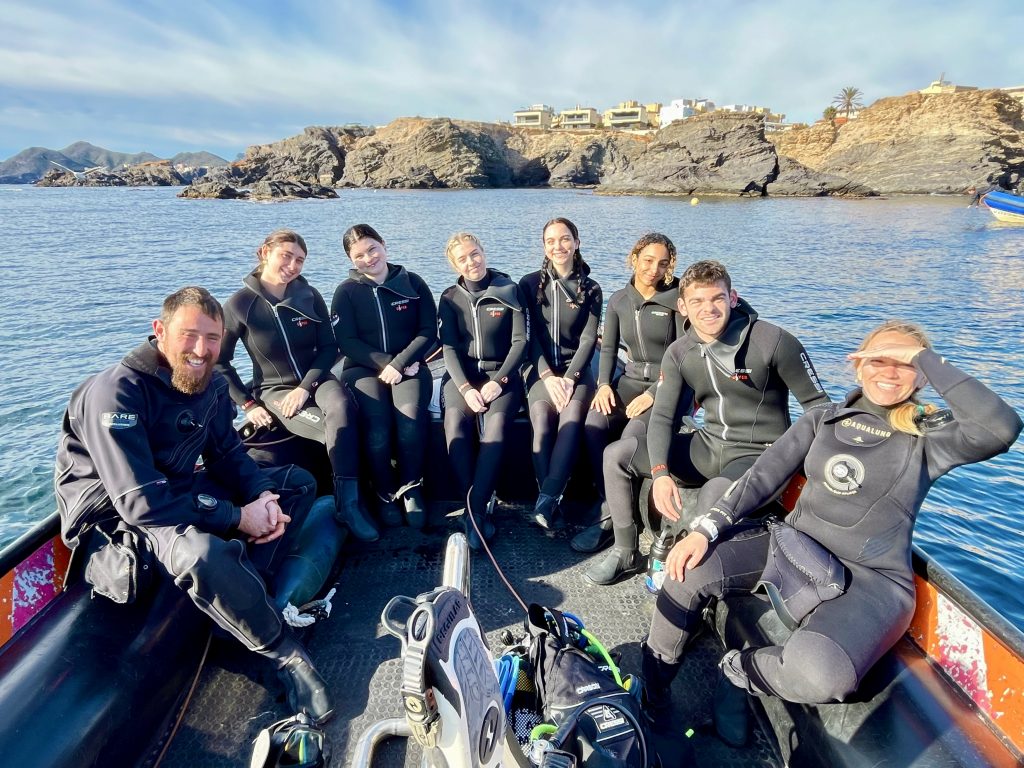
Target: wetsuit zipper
[[556, 330], [640, 341], [287, 346], [380, 314], [721, 400], [476, 334]]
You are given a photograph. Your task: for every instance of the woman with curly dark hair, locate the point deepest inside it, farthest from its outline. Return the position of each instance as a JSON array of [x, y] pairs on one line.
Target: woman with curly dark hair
[[642, 320]]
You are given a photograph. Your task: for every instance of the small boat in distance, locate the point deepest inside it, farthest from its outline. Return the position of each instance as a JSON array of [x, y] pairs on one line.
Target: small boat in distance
[[1005, 206]]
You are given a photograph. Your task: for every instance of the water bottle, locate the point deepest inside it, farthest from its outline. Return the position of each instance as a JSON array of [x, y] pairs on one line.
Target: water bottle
[[656, 562]]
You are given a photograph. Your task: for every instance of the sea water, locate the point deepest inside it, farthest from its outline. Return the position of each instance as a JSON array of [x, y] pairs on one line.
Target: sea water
[[85, 270]]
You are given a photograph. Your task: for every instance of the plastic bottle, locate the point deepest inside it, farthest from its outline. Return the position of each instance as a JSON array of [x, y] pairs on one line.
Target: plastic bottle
[[656, 562]]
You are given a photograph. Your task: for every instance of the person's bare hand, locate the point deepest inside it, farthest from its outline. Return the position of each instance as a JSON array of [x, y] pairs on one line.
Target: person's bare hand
[[604, 400], [292, 403], [638, 405], [490, 391], [259, 416], [412, 369], [390, 375], [667, 500], [686, 555], [474, 400]]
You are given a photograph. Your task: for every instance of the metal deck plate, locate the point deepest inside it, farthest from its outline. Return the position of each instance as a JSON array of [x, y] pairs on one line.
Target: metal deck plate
[[238, 693]]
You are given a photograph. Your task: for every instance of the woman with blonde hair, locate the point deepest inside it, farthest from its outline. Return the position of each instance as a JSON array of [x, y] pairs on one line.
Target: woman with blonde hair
[[870, 461], [483, 333], [283, 324]]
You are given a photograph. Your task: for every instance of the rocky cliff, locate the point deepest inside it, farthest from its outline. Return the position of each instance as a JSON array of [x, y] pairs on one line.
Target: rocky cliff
[[151, 174], [717, 154], [919, 143]]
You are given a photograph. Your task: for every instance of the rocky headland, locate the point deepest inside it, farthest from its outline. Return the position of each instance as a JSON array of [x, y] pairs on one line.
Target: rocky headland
[[916, 143], [919, 143], [725, 154]]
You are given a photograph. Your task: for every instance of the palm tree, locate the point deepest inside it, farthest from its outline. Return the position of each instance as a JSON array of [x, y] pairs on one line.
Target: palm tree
[[830, 113], [848, 100]]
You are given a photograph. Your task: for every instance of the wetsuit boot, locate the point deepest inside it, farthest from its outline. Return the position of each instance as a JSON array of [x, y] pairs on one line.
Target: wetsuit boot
[[306, 690], [483, 522], [729, 710], [349, 510], [657, 693], [546, 512], [413, 504], [624, 559], [595, 537], [390, 511]]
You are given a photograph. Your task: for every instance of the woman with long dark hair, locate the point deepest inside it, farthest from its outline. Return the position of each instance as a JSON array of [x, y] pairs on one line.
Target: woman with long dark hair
[[385, 325], [564, 305]]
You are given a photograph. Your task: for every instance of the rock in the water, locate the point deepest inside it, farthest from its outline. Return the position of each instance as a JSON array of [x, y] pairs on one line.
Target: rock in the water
[[796, 180], [920, 143], [213, 190], [415, 153], [289, 190], [721, 153]]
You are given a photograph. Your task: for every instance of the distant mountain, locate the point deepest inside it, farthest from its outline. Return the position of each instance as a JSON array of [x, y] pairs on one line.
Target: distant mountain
[[31, 164], [91, 155], [196, 159]]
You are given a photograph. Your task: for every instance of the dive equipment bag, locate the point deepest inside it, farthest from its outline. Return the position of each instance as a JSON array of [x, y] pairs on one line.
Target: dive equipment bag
[[595, 715]]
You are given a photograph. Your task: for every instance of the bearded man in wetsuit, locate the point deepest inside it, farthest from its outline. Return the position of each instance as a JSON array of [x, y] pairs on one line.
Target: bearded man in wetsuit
[[126, 463], [741, 371]]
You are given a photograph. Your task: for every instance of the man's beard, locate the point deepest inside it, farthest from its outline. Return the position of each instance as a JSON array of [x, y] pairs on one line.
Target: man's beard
[[185, 381]]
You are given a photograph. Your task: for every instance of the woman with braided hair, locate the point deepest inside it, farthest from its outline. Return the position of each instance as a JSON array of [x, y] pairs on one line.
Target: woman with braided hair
[[564, 306]]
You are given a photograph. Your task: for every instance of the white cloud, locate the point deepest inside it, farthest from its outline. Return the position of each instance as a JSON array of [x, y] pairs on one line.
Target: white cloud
[[228, 66]]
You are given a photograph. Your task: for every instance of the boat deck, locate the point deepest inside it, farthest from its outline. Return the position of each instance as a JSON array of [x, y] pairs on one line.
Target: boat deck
[[238, 693]]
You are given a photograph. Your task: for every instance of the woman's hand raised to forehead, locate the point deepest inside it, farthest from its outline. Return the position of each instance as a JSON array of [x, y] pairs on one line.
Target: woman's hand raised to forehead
[[901, 353]]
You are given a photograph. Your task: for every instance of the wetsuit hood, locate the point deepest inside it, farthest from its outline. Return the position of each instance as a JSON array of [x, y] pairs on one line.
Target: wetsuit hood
[[723, 350], [499, 287], [575, 285], [147, 359], [666, 295], [298, 294], [397, 281]]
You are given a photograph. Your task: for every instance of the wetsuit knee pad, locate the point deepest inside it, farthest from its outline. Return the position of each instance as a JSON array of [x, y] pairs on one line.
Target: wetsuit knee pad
[[816, 669]]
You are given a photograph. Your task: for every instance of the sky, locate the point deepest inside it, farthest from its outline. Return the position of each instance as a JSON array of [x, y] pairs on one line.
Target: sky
[[167, 77]]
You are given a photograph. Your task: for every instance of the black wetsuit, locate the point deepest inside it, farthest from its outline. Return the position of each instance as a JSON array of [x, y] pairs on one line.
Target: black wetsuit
[[865, 485], [483, 332], [128, 449], [644, 328], [742, 380], [563, 334], [291, 345], [392, 323]]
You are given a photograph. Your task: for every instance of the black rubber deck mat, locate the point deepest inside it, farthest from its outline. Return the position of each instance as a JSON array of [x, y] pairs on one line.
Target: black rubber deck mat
[[239, 694]]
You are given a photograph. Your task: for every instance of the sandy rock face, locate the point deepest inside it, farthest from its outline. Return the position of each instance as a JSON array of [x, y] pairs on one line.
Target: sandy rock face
[[921, 143]]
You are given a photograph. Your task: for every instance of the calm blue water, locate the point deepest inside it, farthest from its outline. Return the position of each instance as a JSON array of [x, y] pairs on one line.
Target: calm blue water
[[86, 270]]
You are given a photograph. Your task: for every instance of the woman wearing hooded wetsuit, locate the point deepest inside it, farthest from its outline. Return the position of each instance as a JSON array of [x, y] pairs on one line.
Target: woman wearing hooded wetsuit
[[641, 319], [564, 305], [283, 323], [482, 327], [870, 461], [385, 322]]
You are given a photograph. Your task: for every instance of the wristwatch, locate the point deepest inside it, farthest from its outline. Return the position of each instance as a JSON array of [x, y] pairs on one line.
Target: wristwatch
[[705, 525]]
